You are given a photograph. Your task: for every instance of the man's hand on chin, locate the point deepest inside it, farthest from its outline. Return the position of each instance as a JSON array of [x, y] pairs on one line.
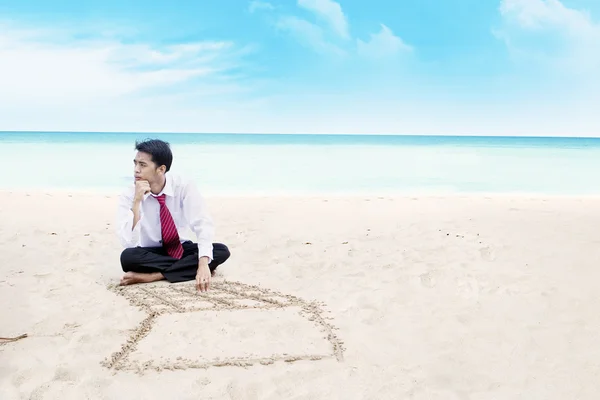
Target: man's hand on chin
[[203, 275]]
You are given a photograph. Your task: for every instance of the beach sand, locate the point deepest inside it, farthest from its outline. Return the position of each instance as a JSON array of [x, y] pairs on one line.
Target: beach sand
[[323, 298]]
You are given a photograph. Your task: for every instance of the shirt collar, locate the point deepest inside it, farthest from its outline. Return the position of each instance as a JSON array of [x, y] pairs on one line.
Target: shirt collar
[[168, 189]]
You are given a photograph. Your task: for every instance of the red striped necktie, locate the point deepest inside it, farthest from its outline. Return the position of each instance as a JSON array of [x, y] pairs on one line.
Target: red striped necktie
[[169, 231]]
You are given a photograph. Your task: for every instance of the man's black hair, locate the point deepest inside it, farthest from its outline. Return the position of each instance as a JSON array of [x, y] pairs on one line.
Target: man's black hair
[[158, 149]]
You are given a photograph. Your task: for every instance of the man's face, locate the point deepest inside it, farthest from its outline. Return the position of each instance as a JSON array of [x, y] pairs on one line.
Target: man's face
[[144, 168]]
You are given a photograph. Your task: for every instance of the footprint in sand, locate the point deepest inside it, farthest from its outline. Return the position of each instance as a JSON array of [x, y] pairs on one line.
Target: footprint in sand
[[469, 287], [203, 381], [64, 374], [40, 392], [427, 280], [487, 254]]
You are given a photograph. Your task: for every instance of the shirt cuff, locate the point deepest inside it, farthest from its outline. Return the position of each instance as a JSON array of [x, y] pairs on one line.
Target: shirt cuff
[[205, 251], [134, 238]]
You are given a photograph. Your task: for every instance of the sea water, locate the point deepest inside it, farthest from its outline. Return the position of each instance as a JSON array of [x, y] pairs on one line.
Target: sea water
[[251, 164]]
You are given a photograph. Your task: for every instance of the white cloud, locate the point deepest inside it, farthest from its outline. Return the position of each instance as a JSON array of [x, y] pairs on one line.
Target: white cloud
[[559, 48], [382, 44], [52, 81], [331, 12], [260, 5], [39, 67], [550, 32], [535, 14], [308, 34], [331, 39]]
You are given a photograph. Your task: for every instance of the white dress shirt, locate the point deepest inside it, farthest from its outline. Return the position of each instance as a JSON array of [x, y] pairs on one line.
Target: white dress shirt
[[186, 205]]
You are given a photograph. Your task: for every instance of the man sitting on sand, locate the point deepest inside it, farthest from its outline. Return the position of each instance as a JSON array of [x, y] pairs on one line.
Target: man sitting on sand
[[150, 216]]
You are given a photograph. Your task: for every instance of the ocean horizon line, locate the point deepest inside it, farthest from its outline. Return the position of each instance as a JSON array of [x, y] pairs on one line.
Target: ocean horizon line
[[307, 134]]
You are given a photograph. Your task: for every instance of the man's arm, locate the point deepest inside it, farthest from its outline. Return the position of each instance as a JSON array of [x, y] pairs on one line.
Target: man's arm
[[129, 215], [200, 222]]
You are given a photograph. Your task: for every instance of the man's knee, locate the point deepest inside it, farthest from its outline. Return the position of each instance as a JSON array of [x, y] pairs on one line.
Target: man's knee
[[129, 257], [221, 252]]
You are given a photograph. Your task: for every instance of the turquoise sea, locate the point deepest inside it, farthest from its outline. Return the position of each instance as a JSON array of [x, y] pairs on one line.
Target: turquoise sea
[[256, 164]]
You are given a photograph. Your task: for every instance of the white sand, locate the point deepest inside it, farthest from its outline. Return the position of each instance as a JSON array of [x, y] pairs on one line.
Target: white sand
[[430, 298]]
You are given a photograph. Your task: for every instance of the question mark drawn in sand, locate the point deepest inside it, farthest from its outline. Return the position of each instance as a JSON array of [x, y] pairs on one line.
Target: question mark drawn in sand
[[169, 300]]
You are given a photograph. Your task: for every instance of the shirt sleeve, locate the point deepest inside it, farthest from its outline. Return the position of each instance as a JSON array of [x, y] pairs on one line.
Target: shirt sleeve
[[128, 237], [199, 220]]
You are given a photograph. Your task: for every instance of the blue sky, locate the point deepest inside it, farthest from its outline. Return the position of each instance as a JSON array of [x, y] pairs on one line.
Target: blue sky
[[472, 67]]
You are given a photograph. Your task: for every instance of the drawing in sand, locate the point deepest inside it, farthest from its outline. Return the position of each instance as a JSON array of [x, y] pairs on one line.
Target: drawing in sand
[[263, 327]]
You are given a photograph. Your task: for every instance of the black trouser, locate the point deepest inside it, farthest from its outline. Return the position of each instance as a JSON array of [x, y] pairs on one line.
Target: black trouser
[[156, 259]]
